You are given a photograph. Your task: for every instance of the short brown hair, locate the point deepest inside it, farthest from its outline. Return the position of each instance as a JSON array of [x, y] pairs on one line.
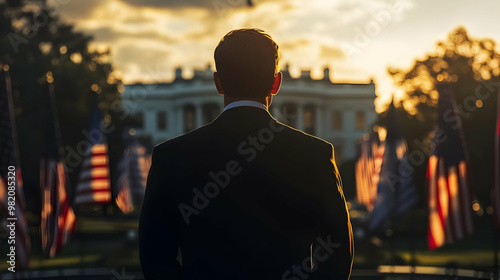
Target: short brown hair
[[247, 61]]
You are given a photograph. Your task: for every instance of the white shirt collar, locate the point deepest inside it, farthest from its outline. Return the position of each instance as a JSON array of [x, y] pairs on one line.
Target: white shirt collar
[[240, 103]]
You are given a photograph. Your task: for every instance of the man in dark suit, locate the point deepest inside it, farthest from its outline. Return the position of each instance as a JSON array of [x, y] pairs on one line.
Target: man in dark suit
[[245, 196]]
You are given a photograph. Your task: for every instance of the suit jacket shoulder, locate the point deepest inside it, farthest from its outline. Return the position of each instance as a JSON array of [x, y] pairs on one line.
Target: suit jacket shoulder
[[311, 142], [186, 139]]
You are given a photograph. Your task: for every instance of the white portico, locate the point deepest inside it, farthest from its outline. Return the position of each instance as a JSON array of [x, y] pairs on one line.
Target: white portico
[[336, 112]]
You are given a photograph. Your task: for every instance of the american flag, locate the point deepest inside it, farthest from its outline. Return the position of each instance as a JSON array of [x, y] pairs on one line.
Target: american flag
[[370, 152], [496, 188], [57, 217], [123, 187], [395, 191], [143, 164], [449, 188], [8, 150], [124, 195], [131, 184], [94, 183]]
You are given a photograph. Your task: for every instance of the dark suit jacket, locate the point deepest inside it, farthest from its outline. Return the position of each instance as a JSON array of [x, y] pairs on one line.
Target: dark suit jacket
[[245, 197]]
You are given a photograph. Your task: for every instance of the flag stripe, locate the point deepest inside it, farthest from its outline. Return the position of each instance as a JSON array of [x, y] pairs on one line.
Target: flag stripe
[[466, 199], [95, 197], [435, 233], [93, 191], [454, 203], [448, 187]]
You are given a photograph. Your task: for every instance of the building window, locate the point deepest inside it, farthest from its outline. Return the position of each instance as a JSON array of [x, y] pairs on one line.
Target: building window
[[189, 118], [161, 121], [360, 120], [138, 120], [309, 119], [337, 120], [210, 112]]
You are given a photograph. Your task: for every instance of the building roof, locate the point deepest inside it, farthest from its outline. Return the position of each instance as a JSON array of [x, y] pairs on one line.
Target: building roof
[[202, 83]]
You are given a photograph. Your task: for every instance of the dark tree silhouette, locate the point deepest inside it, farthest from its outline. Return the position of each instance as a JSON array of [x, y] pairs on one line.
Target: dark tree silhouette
[[33, 42]]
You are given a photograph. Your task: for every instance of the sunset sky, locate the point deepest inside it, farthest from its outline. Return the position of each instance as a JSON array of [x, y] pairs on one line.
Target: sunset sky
[[358, 39]]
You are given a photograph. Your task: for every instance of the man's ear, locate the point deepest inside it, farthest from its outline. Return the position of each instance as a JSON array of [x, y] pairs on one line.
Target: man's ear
[[276, 84], [218, 84]]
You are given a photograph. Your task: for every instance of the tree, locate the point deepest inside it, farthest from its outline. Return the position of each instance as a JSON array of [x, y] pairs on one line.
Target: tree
[[34, 42], [472, 66]]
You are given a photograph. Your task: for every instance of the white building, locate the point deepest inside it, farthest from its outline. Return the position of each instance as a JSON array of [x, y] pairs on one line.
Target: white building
[[336, 112]]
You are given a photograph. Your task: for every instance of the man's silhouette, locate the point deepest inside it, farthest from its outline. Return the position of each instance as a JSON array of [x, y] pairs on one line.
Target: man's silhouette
[[245, 196]]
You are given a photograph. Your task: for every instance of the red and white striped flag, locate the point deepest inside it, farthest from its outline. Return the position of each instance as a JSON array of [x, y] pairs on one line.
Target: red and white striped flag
[[94, 183], [395, 189], [448, 181], [368, 165], [58, 218], [131, 184], [496, 187], [11, 185], [93, 186], [123, 192]]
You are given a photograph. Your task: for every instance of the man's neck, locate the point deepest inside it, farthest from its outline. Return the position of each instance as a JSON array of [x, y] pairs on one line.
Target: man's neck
[[264, 100]]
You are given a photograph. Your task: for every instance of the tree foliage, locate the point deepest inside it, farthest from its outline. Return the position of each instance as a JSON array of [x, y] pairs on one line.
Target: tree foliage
[[38, 47], [472, 66]]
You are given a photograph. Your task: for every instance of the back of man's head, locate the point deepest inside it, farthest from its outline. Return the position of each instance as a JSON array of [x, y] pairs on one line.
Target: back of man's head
[[247, 61]]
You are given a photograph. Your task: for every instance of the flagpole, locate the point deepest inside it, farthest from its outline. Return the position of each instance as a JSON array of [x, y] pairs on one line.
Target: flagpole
[[55, 117], [496, 193], [48, 113], [495, 257], [395, 188], [10, 98], [58, 135], [57, 126], [19, 192]]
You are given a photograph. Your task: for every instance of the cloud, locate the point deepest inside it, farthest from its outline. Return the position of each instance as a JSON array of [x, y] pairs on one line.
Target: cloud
[[186, 32], [109, 35], [139, 18], [143, 61], [75, 10], [292, 44], [331, 52], [154, 36], [176, 4], [157, 35]]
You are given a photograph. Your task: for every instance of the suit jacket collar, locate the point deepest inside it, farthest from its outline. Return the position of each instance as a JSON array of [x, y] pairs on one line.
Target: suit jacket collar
[[240, 103], [244, 116]]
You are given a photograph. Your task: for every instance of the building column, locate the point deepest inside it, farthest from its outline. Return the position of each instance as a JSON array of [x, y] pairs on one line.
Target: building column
[[149, 124], [350, 132], [319, 127], [179, 112], [300, 116], [171, 118], [198, 116]]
